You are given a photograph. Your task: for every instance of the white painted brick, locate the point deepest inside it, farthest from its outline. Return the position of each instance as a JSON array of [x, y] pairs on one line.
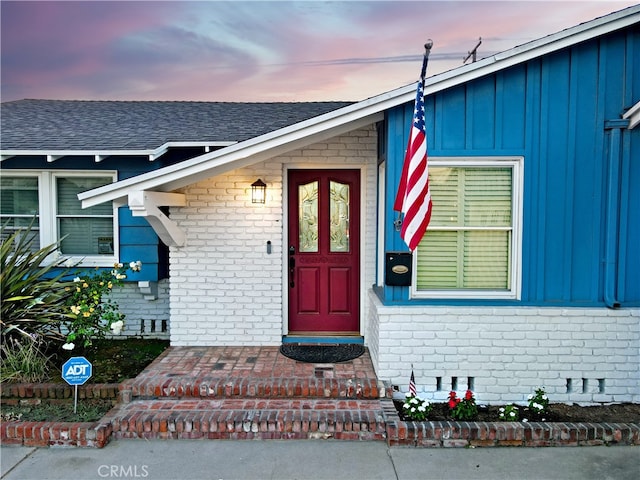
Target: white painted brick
[[132, 303], [224, 268], [537, 347]]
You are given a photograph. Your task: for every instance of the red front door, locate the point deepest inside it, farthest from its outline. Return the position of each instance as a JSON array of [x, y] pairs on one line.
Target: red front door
[[324, 251]]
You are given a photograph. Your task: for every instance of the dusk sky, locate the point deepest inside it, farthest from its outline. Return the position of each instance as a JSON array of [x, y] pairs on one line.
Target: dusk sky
[[256, 51]]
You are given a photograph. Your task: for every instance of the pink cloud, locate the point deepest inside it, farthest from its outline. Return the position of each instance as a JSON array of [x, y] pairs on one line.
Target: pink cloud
[[254, 51]]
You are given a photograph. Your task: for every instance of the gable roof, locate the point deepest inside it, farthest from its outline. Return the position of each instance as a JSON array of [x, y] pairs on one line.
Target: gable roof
[[72, 127], [349, 117]]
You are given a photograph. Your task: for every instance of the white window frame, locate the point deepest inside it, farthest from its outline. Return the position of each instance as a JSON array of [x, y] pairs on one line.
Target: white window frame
[[515, 275], [47, 207]]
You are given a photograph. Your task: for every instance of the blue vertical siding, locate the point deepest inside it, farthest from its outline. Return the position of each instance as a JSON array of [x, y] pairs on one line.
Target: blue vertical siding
[[553, 111], [138, 241], [510, 105], [481, 115]]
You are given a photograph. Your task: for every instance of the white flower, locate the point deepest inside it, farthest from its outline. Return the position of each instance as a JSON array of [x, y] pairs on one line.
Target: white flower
[[117, 327], [121, 276], [421, 408], [68, 346], [530, 397], [136, 266], [513, 414], [501, 409], [413, 409], [525, 420], [544, 397], [77, 279]]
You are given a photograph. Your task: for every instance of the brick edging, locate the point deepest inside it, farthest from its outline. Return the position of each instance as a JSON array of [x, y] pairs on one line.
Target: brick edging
[[21, 391], [505, 434], [46, 434], [49, 434], [397, 432]]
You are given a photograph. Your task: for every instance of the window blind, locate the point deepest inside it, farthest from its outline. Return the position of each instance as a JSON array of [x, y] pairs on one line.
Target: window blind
[[468, 242], [84, 229]]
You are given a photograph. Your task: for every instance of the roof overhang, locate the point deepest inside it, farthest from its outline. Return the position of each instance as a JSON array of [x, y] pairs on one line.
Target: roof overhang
[[99, 155], [350, 117], [235, 156]]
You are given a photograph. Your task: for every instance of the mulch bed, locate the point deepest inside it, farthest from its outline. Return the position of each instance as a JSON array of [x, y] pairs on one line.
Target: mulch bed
[[558, 412]]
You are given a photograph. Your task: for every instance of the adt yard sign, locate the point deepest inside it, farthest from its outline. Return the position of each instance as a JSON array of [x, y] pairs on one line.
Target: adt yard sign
[[76, 370]]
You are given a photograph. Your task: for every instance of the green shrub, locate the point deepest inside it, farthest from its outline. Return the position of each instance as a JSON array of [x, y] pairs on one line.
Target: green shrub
[[39, 301], [33, 294], [93, 313]]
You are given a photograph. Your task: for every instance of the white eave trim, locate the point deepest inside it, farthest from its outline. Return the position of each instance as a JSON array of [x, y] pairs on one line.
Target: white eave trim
[[633, 115], [349, 117], [235, 156], [99, 155]]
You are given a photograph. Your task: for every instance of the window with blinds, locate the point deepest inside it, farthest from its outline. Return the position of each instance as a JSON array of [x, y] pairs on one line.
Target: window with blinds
[[86, 231], [469, 245], [49, 199], [19, 206]]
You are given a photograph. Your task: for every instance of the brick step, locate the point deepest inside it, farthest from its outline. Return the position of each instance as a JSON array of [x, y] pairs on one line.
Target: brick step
[[249, 419], [314, 387]]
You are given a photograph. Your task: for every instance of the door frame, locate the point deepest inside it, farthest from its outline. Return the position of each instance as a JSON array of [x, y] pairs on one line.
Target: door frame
[[285, 233]]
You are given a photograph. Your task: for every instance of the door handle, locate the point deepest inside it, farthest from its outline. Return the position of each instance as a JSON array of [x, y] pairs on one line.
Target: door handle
[[292, 266]]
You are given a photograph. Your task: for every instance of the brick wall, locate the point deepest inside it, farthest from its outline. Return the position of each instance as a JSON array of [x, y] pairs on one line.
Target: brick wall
[[581, 355], [225, 288], [143, 317]]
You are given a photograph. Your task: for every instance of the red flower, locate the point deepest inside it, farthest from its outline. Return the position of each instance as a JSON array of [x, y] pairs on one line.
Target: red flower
[[453, 400], [468, 395]]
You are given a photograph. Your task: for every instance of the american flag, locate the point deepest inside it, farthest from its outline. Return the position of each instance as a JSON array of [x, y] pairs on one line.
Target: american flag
[[412, 384], [413, 197]]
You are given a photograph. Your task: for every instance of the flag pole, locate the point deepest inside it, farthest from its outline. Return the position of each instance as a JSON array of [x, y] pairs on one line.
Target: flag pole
[[427, 51], [397, 223]]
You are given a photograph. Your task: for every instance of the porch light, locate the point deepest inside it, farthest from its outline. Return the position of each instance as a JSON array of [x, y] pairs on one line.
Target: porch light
[[258, 191]]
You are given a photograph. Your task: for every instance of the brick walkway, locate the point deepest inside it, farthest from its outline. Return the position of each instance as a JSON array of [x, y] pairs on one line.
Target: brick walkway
[[249, 372], [246, 362], [249, 392]]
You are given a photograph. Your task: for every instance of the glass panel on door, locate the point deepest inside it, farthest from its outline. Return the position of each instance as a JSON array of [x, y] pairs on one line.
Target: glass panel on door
[[308, 206], [339, 216]]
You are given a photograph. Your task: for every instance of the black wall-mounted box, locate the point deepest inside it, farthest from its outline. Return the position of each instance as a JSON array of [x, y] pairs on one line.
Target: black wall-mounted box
[[398, 269]]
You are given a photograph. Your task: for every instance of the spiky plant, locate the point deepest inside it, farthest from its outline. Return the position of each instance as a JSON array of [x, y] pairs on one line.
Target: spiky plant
[[33, 290]]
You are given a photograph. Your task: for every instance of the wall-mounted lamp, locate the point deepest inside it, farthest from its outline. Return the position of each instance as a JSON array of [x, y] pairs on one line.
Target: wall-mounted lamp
[[258, 191]]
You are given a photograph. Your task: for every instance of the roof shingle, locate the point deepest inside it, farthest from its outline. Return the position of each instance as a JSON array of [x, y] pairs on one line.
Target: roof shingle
[[143, 125]]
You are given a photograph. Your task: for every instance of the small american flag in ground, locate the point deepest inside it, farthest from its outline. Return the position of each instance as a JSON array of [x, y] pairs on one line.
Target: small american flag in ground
[[412, 384], [413, 197]]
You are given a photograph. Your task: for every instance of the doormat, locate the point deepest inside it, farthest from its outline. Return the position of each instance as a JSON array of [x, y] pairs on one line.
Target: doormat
[[322, 353]]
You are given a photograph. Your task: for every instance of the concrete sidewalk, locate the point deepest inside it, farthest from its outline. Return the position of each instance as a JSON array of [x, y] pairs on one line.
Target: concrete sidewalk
[[309, 459]]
